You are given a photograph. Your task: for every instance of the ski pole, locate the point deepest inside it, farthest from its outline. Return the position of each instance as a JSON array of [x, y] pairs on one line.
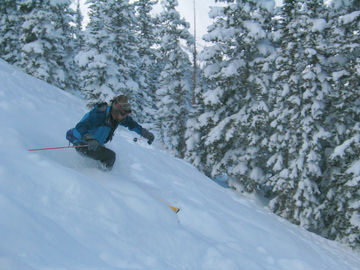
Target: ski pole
[[60, 147]]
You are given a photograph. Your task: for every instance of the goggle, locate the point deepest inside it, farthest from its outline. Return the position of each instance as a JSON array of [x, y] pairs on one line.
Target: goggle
[[119, 110]]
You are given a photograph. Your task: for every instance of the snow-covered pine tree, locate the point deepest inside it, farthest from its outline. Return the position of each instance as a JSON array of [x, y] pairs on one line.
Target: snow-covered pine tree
[[340, 207], [46, 39], [79, 36], [96, 62], [211, 56], [10, 22], [195, 153], [235, 104], [284, 115], [108, 59], [122, 24], [149, 55], [315, 91], [77, 45], [299, 112], [175, 81], [255, 30]]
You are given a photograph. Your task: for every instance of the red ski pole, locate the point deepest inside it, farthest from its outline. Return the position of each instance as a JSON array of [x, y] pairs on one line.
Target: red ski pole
[[53, 148]]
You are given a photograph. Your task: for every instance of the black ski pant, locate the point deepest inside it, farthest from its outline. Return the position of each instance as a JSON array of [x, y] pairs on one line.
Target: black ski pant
[[104, 155]]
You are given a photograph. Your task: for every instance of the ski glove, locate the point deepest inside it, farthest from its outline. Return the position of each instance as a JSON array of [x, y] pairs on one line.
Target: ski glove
[[148, 135], [91, 142]]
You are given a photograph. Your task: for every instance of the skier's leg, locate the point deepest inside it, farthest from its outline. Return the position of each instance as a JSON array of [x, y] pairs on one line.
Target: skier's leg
[[107, 157], [104, 155]]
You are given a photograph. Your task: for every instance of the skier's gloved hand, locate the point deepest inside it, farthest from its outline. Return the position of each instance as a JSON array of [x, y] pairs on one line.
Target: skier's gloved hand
[[148, 135], [91, 142]]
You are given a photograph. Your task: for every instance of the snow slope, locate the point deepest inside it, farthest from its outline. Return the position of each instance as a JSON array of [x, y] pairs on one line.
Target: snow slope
[[57, 211]]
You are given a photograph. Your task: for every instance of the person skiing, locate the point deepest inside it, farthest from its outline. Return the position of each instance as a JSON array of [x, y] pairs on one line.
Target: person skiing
[[97, 128]]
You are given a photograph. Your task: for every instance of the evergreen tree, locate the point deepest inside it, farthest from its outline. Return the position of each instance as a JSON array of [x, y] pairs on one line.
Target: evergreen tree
[[95, 61], [10, 23], [108, 59], [174, 93], [299, 113], [210, 100], [78, 28], [46, 39], [236, 102], [285, 113], [253, 129], [149, 55], [122, 24], [340, 209], [77, 45], [195, 153]]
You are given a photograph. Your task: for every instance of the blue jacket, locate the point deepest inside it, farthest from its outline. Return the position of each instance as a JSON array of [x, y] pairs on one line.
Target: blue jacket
[[99, 123]]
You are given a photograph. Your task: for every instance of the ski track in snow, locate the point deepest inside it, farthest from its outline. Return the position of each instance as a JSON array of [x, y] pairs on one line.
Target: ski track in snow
[[59, 211]]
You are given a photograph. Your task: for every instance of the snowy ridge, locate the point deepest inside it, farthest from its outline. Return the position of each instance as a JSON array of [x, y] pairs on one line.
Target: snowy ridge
[[58, 212]]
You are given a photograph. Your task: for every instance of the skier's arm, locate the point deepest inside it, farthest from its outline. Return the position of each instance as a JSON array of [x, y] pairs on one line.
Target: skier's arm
[[132, 125]]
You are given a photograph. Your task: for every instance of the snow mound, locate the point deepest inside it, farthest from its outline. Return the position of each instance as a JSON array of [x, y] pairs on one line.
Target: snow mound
[[57, 211]]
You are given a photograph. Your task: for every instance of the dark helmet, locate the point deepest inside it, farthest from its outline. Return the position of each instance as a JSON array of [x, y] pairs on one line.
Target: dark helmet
[[121, 103]]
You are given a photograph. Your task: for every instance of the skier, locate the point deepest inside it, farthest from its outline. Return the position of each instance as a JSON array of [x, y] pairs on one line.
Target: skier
[[97, 128]]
